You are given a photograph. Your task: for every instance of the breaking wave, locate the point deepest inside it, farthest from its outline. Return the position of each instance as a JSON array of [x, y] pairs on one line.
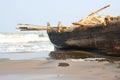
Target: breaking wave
[[23, 38], [27, 42]]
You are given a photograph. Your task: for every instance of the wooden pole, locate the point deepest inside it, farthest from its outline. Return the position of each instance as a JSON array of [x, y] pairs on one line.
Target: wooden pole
[[29, 27], [99, 10]]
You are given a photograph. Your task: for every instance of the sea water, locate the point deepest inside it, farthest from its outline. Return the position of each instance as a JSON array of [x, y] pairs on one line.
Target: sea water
[[16, 46], [36, 46]]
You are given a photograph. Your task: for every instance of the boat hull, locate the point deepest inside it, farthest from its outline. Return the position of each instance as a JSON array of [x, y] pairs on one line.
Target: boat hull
[[92, 37]]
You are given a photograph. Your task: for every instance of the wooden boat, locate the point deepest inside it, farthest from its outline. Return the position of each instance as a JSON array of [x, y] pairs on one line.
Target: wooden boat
[[85, 34], [90, 37]]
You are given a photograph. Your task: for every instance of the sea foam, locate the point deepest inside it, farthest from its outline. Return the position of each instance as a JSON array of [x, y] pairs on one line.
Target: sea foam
[[22, 38]]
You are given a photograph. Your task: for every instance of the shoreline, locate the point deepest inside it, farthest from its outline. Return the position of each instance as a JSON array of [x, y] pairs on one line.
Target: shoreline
[[44, 69]]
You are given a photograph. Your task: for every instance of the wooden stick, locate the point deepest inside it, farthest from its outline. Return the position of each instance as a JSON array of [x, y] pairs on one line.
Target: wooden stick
[[99, 10], [29, 27]]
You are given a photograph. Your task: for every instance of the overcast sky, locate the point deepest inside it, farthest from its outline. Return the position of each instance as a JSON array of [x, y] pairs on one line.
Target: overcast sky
[[39, 12]]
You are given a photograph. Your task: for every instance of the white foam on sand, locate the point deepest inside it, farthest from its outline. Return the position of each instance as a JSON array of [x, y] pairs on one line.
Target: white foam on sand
[[87, 59]]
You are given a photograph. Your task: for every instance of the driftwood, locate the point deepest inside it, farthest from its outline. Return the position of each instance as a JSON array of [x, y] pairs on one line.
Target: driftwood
[[29, 27], [89, 20], [32, 28], [92, 20]]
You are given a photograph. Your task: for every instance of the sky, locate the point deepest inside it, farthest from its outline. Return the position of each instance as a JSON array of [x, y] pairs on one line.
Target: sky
[[39, 12]]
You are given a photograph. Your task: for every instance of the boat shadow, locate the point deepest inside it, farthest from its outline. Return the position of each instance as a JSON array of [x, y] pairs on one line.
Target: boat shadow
[[82, 54]]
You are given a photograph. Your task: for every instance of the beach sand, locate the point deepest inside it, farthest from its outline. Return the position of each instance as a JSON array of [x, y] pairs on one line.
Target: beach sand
[[50, 70]]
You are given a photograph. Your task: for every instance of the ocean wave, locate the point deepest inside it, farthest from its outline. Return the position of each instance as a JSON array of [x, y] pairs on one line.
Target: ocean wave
[[22, 38], [13, 48]]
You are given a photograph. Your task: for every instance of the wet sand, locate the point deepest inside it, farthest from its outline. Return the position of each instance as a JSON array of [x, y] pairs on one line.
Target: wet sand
[[50, 70]]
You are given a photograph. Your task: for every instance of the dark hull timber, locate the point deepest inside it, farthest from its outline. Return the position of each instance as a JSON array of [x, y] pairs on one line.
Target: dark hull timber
[[106, 38]]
